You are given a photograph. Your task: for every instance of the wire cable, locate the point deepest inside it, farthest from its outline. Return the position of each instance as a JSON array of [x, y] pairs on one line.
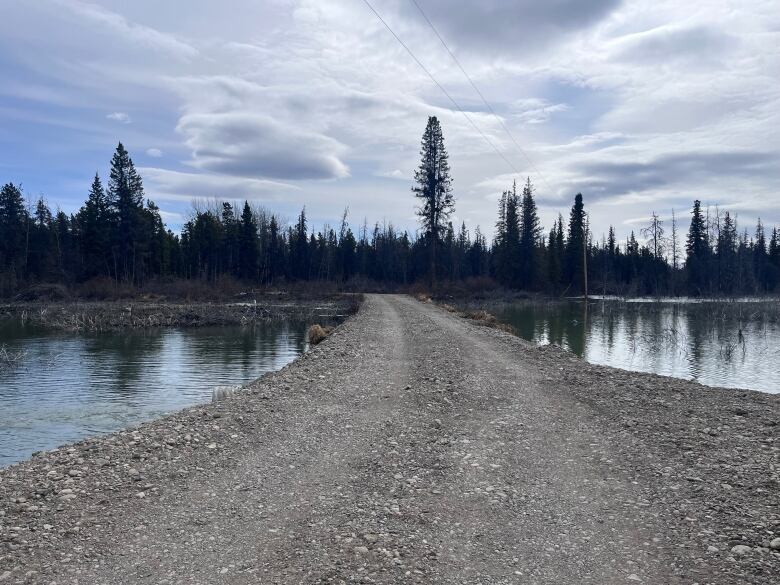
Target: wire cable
[[441, 87], [482, 97]]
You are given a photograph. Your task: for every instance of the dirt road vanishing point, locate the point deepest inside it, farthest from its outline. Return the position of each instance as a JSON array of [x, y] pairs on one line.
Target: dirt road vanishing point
[[414, 446]]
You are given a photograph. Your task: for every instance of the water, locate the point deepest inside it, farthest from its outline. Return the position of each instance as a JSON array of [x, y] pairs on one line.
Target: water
[[728, 344], [69, 386]]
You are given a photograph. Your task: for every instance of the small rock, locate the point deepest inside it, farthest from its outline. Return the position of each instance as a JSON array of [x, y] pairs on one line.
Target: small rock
[[741, 549], [712, 549], [634, 577], [361, 550], [211, 446], [775, 544]]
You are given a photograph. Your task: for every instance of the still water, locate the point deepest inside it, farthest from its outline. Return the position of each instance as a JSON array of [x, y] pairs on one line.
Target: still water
[[729, 344], [69, 386]]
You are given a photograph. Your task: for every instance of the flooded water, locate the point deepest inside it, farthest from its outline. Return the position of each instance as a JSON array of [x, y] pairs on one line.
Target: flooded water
[[729, 344], [69, 386]]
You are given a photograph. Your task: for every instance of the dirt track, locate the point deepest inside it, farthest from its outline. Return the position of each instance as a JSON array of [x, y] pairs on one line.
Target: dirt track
[[415, 446]]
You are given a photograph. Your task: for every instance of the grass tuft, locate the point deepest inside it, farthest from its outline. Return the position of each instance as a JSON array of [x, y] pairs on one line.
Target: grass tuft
[[318, 333]]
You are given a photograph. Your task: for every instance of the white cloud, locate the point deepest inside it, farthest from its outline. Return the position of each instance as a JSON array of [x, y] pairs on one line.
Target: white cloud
[[144, 36], [121, 117], [154, 152], [165, 184], [245, 144]]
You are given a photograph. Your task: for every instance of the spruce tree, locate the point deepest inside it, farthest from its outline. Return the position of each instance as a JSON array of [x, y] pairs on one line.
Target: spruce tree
[[530, 232], [697, 251], [726, 250], [575, 246], [94, 231], [275, 251], [14, 226], [773, 268], [760, 257], [248, 244], [299, 248], [434, 189], [125, 199]]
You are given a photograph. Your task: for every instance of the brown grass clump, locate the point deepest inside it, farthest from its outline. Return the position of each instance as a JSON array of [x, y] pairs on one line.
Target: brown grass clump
[[422, 297], [318, 333], [486, 319]]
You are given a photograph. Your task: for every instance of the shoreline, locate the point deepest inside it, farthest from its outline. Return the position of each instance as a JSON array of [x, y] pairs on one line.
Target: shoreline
[[707, 459], [96, 316]]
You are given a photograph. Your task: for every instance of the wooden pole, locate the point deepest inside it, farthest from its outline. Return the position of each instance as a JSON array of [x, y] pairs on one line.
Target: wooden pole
[[585, 256]]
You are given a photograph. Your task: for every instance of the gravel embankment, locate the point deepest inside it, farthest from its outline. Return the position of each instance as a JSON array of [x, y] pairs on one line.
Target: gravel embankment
[[415, 446]]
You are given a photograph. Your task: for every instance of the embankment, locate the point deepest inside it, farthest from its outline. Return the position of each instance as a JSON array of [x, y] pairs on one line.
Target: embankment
[[414, 446]]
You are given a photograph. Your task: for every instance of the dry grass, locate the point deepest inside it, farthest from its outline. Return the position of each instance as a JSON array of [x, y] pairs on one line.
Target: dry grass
[[422, 297], [318, 333], [10, 358], [486, 319]]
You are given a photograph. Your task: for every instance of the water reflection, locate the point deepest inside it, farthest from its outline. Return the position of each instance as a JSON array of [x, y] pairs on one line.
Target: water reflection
[[69, 386], [733, 344]]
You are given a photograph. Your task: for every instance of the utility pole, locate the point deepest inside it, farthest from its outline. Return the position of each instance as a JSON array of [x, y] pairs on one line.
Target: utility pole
[[585, 256]]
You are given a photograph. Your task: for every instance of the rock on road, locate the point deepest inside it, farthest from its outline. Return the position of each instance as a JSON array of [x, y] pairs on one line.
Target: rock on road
[[413, 446]]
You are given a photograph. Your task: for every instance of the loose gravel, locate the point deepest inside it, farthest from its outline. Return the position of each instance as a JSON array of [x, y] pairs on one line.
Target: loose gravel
[[415, 446]]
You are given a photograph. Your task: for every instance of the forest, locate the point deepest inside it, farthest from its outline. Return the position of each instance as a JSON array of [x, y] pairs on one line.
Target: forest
[[118, 238]]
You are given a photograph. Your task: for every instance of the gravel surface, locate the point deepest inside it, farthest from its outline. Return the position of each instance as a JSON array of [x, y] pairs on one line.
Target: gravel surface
[[415, 446]]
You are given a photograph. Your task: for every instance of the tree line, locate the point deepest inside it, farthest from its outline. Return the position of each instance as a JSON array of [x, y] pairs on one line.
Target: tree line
[[118, 235]]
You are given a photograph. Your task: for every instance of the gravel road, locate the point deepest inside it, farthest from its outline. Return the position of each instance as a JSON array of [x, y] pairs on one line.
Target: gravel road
[[415, 446]]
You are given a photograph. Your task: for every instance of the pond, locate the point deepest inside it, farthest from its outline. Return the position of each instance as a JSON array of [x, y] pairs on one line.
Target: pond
[[69, 386], [728, 344]]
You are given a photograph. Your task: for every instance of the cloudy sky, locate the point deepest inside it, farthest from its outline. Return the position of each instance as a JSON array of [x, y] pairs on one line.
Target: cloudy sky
[[642, 105]]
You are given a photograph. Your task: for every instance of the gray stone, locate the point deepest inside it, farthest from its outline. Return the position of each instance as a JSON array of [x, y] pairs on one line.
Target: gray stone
[[741, 549]]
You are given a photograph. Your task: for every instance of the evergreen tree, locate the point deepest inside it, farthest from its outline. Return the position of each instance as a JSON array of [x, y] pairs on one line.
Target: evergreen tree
[[576, 252], [94, 222], [275, 251], [773, 268], [248, 244], [125, 199], [760, 258], [726, 251], [14, 231], [434, 189], [530, 232], [507, 244], [697, 251], [40, 261], [231, 240], [299, 246]]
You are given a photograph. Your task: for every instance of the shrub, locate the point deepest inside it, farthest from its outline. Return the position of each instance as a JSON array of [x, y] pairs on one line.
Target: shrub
[[44, 292]]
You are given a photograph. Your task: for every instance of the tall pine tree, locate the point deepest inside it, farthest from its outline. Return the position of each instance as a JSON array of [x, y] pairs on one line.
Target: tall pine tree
[[434, 190], [530, 232]]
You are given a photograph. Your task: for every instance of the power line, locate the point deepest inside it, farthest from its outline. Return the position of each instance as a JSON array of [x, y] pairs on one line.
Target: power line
[[439, 85], [482, 97]]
